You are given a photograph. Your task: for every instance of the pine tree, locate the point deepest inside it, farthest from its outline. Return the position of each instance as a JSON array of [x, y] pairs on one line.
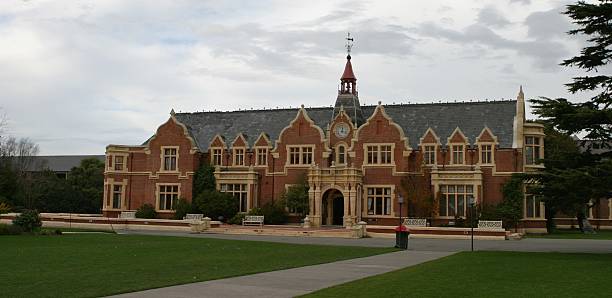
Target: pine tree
[[572, 179]]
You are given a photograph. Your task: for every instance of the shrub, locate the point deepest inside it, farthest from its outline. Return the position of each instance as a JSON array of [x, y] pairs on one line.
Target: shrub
[[256, 211], [237, 219], [49, 232], [4, 208], [146, 211], [489, 212], [10, 229], [275, 212], [28, 220], [181, 208], [216, 205]]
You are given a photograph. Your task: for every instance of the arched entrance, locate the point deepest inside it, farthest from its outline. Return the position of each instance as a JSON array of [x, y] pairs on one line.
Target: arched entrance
[[333, 208]]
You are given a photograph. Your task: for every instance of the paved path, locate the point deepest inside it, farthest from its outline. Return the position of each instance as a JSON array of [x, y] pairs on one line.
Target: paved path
[[296, 281], [421, 244]]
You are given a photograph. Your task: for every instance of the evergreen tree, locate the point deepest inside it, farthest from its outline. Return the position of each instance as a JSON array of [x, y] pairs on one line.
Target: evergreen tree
[[572, 179]]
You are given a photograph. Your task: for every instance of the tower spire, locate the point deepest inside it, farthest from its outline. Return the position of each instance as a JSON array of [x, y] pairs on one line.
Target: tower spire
[[348, 99]]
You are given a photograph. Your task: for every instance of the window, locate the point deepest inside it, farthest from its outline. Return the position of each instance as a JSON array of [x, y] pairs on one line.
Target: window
[[169, 159], [429, 154], [532, 150], [532, 206], [300, 155], [168, 195], [117, 194], [238, 191], [262, 156], [341, 155], [118, 163], [217, 157], [454, 199], [239, 157], [486, 154], [379, 154], [379, 200], [457, 157]]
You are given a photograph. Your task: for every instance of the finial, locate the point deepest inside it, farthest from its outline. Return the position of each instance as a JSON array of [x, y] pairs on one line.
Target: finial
[[349, 45], [172, 113], [341, 108], [521, 94], [302, 106], [379, 102]]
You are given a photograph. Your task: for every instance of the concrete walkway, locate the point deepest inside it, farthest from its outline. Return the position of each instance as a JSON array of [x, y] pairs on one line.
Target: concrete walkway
[[296, 281], [423, 244]]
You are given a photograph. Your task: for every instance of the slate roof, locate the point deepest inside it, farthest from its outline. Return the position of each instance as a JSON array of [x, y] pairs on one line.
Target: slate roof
[[60, 163], [443, 118]]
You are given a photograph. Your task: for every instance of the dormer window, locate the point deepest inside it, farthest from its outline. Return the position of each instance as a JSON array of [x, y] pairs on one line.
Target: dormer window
[[429, 154], [239, 157], [457, 155], [486, 154], [217, 156]]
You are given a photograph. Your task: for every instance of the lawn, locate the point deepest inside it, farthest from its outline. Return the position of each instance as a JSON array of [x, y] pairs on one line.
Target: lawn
[[87, 265], [490, 274], [574, 234]]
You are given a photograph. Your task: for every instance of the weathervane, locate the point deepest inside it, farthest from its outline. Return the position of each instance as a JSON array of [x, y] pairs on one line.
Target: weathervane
[[349, 43]]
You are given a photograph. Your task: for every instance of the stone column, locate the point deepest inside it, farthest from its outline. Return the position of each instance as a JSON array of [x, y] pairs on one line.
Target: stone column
[[315, 219]]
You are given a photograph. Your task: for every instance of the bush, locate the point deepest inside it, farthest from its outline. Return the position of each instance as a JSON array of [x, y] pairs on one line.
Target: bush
[[275, 213], [4, 208], [49, 232], [489, 212], [10, 229], [256, 211], [216, 205], [28, 221], [181, 208], [146, 211], [237, 219]]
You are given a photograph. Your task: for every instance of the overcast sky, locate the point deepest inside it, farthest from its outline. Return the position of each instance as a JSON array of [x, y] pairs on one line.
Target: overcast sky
[[78, 75]]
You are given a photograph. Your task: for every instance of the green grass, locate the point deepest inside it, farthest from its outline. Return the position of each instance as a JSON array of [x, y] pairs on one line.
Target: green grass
[[574, 234], [490, 274], [86, 265]]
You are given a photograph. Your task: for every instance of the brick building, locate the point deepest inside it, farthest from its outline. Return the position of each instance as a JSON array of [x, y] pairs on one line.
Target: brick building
[[358, 160]]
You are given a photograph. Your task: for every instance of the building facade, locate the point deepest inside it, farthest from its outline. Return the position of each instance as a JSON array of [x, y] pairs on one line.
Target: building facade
[[358, 160]]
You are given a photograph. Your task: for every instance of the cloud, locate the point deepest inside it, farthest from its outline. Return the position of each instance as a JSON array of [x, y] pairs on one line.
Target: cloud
[[546, 54], [548, 24], [491, 16]]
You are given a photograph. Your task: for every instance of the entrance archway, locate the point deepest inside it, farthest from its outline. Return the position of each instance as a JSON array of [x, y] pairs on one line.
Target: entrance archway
[[333, 208]]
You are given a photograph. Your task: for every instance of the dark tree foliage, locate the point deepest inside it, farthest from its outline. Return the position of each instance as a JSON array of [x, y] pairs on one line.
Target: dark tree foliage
[[217, 205], [203, 180], [510, 209], [296, 197], [594, 116], [87, 180], [571, 178]]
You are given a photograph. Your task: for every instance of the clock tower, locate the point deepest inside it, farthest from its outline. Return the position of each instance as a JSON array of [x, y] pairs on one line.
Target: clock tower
[[348, 97]]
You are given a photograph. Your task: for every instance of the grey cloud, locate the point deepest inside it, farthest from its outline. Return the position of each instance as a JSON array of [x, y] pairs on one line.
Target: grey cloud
[[547, 24], [546, 54], [491, 16], [524, 2]]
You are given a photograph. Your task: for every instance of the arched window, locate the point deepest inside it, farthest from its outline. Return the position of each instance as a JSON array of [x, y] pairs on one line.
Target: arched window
[[340, 155]]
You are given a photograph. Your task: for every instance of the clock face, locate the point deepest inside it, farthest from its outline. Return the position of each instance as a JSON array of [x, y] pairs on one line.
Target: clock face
[[341, 130]]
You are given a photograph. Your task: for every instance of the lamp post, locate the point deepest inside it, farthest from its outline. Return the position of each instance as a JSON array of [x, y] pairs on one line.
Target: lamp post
[[400, 200], [472, 203]]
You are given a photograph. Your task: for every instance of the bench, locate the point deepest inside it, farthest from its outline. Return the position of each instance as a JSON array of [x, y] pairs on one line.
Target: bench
[[415, 222], [127, 214], [490, 225], [253, 220], [191, 217]]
